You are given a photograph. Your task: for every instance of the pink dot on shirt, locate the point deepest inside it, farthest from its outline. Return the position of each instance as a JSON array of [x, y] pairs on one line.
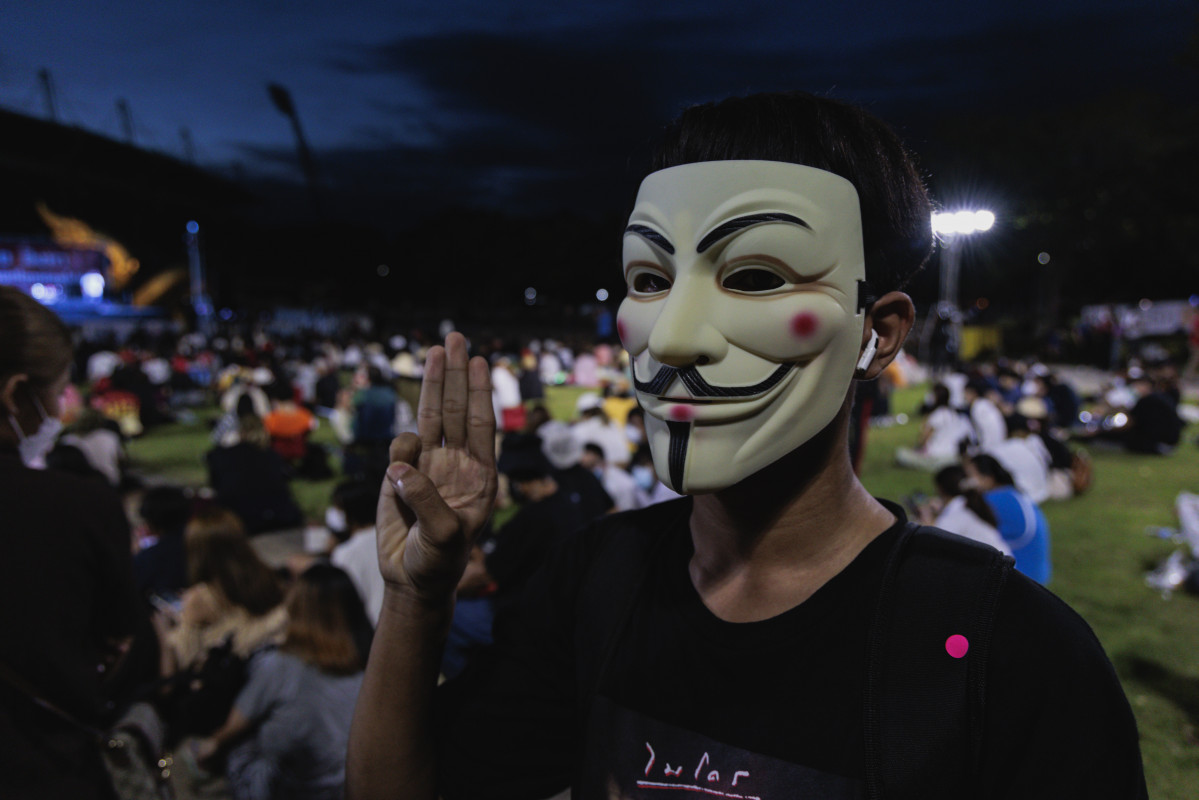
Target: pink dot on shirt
[[957, 645], [682, 413], [804, 324]]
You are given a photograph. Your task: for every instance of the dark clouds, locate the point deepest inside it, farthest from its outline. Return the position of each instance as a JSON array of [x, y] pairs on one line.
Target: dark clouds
[[557, 116]]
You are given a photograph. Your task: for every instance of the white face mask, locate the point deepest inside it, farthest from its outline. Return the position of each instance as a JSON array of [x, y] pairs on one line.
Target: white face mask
[[335, 519], [744, 317], [33, 449], [644, 478]]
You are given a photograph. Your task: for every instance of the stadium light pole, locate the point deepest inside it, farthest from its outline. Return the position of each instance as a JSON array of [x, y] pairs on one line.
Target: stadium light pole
[[952, 228]]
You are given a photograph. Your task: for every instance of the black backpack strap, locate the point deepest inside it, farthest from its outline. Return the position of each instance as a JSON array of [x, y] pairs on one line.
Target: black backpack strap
[[926, 676]]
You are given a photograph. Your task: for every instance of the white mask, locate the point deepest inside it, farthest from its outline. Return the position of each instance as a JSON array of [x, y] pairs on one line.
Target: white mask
[[33, 449], [644, 478], [335, 519], [744, 314], [633, 434]]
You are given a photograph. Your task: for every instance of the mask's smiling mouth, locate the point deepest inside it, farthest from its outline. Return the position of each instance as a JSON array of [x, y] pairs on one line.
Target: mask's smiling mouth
[[700, 389], [717, 409]]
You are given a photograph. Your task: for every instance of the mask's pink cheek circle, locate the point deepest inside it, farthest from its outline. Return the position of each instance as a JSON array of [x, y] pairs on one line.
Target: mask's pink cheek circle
[[622, 331], [682, 413], [804, 325]]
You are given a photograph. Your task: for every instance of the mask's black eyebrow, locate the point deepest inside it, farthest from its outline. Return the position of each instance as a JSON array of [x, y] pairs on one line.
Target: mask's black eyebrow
[[652, 236], [737, 223]]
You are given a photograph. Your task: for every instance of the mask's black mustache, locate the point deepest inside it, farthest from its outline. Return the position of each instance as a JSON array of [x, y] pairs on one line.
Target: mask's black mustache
[[701, 388]]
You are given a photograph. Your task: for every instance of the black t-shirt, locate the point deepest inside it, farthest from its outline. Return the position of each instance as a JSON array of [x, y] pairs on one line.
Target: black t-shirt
[[689, 703], [585, 491], [519, 549], [1155, 422]]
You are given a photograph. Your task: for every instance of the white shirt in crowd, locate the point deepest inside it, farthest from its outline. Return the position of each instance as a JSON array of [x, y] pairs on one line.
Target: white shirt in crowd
[[621, 487], [102, 365], [658, 493], [359, 557], [550, 367], [158, 370], [610, 438], [989, 427], [948, 429], [1028, 462], [956, 382], [505, 390], [957, 518], [102, 449]]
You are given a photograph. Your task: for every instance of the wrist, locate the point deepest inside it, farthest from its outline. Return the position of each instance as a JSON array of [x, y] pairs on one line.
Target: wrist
[[405, 602]]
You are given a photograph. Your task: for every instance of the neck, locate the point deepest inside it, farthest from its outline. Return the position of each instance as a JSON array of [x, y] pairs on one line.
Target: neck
[[769, 542]]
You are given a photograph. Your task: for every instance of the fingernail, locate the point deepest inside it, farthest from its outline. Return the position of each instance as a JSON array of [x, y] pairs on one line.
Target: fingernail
[[396, 473]]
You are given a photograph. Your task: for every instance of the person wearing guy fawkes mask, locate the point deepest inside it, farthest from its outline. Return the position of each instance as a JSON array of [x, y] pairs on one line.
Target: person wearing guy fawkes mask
[[66, 576], [779, 632]]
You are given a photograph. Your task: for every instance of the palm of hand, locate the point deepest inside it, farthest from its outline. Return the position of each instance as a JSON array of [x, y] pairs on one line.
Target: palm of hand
[[446, 477], [467, 488]]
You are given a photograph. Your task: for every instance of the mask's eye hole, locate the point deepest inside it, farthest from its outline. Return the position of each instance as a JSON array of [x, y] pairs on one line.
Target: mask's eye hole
[[649, 283], [752, 280]]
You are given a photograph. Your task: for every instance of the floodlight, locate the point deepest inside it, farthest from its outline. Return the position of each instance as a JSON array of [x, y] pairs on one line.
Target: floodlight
[[92, 285]]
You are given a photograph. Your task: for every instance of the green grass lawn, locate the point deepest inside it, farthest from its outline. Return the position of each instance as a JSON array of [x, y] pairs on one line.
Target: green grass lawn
[[1100, 554]]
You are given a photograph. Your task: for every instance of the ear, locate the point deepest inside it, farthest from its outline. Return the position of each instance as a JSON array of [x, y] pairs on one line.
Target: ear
[[8, 391], [891, 317]]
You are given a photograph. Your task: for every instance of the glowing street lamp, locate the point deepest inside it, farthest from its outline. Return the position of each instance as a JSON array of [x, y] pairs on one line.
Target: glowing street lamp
[[962, 222], [952, 228]]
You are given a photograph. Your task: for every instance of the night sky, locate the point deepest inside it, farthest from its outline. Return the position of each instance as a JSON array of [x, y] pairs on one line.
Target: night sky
[[458, 132], [528, 105]]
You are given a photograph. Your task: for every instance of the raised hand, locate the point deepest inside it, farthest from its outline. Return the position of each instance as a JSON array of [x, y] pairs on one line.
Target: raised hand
[[441, 483]]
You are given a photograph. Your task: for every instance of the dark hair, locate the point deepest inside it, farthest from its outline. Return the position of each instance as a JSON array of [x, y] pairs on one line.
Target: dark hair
[[521, 458], [359, 498], [280, 389], [69, 458], [979, 386], [990, 467], [33, 340], [245, 406], [536, 416], [837, 137], [166, 509], [594, 449], [219, 553], [1017, 423], [940, 395], [327, 625], [374, 377], [951, 482]]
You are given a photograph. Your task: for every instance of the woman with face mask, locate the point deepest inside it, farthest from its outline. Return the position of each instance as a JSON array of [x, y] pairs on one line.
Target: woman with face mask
[[66, 578]]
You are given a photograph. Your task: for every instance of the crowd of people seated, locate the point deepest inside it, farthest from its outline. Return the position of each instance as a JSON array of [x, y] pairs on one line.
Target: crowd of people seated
[[1005, 438], [255, 670]]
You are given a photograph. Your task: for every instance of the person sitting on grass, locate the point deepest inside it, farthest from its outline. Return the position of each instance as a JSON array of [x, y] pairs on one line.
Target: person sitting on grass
[[941, 436], [233, 607], [285, 737], [1018, 519], [960, 508], [252, 479]]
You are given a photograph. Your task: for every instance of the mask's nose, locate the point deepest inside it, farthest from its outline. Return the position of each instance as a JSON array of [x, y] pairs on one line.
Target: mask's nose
[[683, 333]]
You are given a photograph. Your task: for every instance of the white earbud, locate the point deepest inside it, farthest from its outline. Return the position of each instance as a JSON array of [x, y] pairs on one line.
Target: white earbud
[[869, 352]]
